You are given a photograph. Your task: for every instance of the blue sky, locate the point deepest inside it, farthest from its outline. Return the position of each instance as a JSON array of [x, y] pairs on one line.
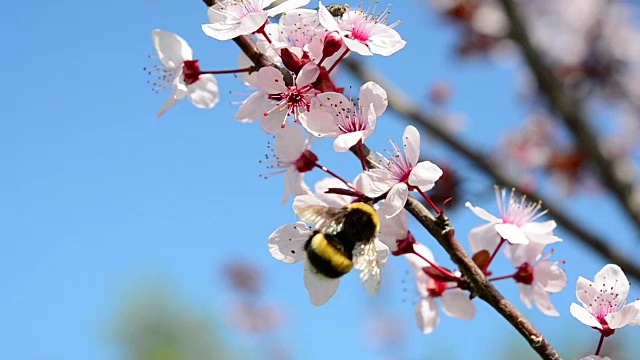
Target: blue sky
[[98, 195]]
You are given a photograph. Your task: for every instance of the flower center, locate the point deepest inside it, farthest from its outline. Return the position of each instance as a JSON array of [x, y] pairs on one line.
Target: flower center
[[436, 288], [606, 302], [364, 24], [294, 99], [398, 165], [191, 71], [524, 274], [306, 162], [517, 211]]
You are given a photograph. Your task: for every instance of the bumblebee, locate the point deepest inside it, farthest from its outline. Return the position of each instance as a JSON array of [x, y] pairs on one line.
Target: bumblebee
[[344, 238], [337, 10]]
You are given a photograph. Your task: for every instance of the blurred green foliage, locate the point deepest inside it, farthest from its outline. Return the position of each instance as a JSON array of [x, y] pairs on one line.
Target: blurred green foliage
[[154, 323]]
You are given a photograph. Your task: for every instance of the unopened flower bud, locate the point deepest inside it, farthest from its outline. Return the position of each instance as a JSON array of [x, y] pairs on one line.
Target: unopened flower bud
[[332, 43], [292, 61]]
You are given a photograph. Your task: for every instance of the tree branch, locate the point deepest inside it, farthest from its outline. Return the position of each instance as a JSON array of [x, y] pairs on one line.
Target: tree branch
[[400, 103], [571, 111], [440, 228]]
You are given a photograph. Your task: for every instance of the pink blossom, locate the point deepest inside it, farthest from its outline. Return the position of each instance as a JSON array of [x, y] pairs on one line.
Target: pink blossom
[[232, 18], [294, 158], [604, 301], [537, 276], [182, 73], [454, 301], [516, 223], [333, 115], [274, 102], [363, 32], [400, 173]]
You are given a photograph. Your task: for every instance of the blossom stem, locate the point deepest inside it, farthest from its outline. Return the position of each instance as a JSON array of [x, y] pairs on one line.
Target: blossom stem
[[600, 344], [504, 277], [323, 168], [434, 265], [493, 255], [346, 51], [264, 33], [361, 155], [426, 198], [221, 72]]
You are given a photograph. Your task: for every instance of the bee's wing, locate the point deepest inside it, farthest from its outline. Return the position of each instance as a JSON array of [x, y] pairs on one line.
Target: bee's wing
[[365, 259], [322, 217]]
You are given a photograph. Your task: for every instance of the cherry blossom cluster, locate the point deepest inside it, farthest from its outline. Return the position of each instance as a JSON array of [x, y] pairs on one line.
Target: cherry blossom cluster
[[297, 100]]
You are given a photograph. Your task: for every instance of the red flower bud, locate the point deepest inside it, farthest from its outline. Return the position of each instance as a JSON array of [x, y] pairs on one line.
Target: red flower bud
[[332, 43]]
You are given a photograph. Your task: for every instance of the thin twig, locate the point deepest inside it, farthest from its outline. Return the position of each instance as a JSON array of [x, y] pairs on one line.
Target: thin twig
[[400, 103], [571, 111]]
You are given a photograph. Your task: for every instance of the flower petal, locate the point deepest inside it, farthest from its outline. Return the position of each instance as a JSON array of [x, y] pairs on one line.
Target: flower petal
[[308, 74], [416, 262], [274, 121], [427, 317], [483, 237], [326, 19], [271, 80], [253, 107], [303, 201], [456, 303], [286, 243], [623, 317], [172, 49], [397, 197], [332, 200], [375, 182], [584, 316], [612, 278], [526, 294], [585, 291], [385, 42], [543, 303], [550, 276], [511, 233], [289, 144], [320, 288], [168, 104], [411, 142], [542, 228], [345, 141], [294, 185], [204, 93], [250, 23], [319, 123], [424, 174], [373, 94], [357, 47], [482, 213], [286, 6], [520, 254]]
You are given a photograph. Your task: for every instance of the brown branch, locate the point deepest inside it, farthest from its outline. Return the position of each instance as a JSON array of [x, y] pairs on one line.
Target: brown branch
[[571, 111], [400, 103], [440, 228]]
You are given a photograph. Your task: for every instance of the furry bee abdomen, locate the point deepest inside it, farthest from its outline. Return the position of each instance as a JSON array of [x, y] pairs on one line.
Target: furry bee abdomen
[[325, 258]]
